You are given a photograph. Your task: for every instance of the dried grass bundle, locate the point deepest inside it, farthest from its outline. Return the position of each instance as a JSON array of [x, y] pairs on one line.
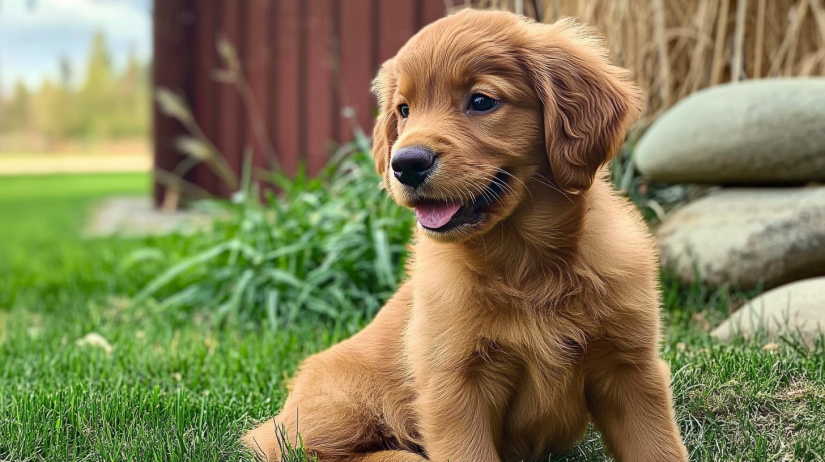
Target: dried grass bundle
[[676, 47]]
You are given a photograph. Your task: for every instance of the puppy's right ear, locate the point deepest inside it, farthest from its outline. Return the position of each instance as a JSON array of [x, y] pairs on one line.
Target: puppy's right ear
[[386, 125], [589, 104]]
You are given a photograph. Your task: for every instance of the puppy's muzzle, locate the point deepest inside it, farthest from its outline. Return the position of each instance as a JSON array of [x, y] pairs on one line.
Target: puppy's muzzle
[[412, 165]]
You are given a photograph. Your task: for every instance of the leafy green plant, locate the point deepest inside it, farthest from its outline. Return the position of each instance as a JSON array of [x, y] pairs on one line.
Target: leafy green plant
[[330, 246]]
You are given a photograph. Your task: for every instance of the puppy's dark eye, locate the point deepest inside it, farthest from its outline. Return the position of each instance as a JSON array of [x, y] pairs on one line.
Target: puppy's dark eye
[[482, 103], [404, 110]]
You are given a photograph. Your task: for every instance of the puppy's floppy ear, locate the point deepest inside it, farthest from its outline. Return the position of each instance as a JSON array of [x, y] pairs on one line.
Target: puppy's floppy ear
[[588, 103], [386, 125]]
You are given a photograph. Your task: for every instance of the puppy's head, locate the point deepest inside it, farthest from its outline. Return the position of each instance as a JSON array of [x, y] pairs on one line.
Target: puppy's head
[[478, 103]]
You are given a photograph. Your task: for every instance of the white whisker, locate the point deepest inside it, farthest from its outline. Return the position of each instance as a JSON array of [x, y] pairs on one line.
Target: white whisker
[[470, 197], [485, 192], [493, 181], [551, 186], [501, 170]]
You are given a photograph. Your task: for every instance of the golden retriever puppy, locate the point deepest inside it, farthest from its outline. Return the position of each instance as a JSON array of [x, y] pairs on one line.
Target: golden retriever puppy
[[531, 306]]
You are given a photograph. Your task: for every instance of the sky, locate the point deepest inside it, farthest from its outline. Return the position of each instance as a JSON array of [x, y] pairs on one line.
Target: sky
[[32, 40]]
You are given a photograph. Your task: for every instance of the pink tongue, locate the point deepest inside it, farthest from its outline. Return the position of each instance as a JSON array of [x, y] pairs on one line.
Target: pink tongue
[[434, 216]]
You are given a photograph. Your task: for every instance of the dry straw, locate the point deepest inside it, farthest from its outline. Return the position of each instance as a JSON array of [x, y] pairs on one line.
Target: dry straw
[[676, 47]]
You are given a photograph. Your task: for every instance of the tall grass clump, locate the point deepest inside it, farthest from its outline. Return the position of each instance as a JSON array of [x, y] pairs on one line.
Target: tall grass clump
[[330, 246]]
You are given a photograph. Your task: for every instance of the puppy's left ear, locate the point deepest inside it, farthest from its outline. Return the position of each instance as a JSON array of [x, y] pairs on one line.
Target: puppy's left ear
[[588, 103], [386, 125]]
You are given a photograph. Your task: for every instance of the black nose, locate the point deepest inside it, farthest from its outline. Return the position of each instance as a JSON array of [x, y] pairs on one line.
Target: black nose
[[412, 165]]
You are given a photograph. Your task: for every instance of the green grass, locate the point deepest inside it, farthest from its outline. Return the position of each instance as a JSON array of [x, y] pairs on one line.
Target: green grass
[[41, 219], [48, 210], [178, 387], [37, 188]]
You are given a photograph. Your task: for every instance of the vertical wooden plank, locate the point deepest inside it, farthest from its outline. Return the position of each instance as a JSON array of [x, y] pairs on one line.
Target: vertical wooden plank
[[356, 64], [396, 26], [375, 27], [256, 68], [272, 114], [206, 89], [318, 91], [335, 62], [288, 94], [173, 40], [303, 59], [229, 130], [434, 10]]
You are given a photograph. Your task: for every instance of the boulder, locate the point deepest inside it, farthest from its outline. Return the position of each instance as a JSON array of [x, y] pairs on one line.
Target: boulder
[[758, 132], [747, 237], [797, 308]]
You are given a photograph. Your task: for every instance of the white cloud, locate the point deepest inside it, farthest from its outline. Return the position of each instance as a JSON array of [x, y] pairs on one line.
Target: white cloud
[[120, 18], [31, 41]]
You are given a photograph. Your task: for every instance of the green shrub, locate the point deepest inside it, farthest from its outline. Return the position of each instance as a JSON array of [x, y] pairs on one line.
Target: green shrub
[[331, 246]]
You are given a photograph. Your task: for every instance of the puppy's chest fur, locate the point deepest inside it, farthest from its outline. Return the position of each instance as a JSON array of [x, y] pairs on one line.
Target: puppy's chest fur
[[477, 320], [526, 353]]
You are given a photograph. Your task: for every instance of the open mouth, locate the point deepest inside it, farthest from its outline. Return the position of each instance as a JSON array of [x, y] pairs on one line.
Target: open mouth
[[443, 217]]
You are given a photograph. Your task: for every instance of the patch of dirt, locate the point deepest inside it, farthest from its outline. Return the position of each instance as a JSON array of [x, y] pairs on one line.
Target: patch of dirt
[[137, 216]]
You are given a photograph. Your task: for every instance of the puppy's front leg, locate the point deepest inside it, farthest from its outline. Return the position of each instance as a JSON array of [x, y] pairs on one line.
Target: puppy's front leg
[[629, 397], [458, 419]]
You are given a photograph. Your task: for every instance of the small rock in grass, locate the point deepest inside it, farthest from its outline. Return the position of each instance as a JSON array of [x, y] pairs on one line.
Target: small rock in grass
[[797, 308], [772, 346], [95, 340]]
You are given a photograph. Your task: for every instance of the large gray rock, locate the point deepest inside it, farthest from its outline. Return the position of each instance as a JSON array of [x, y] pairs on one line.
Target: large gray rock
[[758, 132], [795, 308], [745, 236]]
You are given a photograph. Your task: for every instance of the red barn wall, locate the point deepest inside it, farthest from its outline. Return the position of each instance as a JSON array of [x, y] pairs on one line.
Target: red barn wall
[[305, 61]]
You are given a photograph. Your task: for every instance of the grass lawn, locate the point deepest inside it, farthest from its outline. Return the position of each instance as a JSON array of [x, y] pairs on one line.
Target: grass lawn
[[176, 387]]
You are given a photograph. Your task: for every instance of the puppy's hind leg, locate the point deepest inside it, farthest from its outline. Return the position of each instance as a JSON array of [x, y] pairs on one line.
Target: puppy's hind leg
[[263, 442], [388, 456], [338, 409], [352, 400]]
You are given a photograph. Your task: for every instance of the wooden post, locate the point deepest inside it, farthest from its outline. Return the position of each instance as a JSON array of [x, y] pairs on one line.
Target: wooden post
[[173, 68]]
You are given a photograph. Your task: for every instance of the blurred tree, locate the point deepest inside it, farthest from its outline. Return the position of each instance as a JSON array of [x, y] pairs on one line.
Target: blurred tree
[[95, 96], [107, 104], [16, 113], [67, 112], [131, 115], [65, 71], [43, 115]]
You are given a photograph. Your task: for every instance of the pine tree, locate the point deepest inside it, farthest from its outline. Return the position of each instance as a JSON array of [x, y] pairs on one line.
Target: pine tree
[[95, 98], [17, 113], [65, 106]]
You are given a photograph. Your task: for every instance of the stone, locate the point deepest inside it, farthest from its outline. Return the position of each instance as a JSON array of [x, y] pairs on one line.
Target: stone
[[137, 216], [797, 308], [747, 237], [750, 133], [93, 339]]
